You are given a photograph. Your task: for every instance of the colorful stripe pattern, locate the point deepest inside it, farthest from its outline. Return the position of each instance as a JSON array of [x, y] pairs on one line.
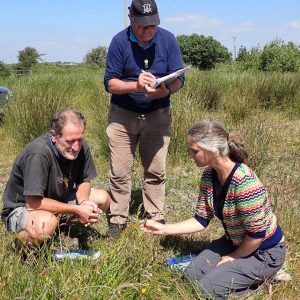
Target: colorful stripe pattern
[[247, 209]]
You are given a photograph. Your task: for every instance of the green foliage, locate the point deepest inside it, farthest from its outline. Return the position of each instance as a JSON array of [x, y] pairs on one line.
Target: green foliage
[[280, 57], [96, 57], [276, 56], [35, 101], [4, 70], [249, 60], [50, 88], [252, 90], [237, 94], [28, 58], [241, 53], [202, 52]]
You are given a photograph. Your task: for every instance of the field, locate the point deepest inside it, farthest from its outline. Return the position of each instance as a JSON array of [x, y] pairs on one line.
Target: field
[[264, 107]]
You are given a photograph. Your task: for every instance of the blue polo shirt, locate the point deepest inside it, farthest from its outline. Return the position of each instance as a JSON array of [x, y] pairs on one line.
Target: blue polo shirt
[[126, 58]]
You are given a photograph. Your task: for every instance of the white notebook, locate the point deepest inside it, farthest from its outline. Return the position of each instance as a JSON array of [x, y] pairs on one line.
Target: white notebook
[[169, 78]]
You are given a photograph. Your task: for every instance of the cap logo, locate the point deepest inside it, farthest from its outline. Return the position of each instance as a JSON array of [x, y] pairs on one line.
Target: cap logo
[[147, 8]]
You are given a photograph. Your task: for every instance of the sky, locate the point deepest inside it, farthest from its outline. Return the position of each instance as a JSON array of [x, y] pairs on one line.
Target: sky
[[66, 30]]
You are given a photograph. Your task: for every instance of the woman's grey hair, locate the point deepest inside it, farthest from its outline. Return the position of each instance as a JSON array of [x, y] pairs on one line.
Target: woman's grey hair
[[60, 119], [211, 136]]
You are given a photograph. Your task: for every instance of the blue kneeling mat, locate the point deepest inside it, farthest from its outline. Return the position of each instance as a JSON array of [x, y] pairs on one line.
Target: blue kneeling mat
[[77, 254], [180, 262]]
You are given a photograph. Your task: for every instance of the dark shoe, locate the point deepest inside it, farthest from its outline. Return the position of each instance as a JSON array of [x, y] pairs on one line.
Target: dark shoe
[[148, 216], [114, 230]]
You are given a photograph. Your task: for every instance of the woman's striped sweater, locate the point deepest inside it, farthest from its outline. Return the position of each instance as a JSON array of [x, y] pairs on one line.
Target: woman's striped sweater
[[247, 209]]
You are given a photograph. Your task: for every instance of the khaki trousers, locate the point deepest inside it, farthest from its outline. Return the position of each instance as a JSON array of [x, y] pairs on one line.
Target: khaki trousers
[[150, 132]]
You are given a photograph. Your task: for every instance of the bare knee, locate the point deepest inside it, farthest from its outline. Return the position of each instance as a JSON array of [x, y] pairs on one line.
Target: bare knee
[[101, 198], [41, 225]]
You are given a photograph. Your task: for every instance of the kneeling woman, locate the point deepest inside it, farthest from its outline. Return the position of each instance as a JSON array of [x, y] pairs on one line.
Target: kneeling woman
[[252, 248]]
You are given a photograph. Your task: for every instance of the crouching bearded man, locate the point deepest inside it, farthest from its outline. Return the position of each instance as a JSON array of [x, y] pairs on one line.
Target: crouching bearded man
[[51, 177]]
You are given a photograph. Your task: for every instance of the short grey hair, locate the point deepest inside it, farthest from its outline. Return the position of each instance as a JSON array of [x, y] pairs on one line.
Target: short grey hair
[[211, 136], [60, 119]]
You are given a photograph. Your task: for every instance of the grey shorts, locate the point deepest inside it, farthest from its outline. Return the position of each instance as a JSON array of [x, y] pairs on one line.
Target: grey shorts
[[17, 219]]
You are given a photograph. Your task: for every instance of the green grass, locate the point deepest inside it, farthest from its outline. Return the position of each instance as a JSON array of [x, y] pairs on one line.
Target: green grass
[[264, 107]]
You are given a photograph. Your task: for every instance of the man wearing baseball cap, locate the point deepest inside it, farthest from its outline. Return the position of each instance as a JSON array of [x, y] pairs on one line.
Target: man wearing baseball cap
[[139, 115], [145, 12]]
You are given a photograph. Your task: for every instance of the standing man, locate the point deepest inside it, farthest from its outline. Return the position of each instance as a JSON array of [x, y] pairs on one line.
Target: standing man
[[140, 115], [50, 177]]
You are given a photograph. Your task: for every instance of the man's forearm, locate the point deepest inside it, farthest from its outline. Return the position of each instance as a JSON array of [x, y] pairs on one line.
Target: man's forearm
[[83, 192], [119, 87], [50, 205]]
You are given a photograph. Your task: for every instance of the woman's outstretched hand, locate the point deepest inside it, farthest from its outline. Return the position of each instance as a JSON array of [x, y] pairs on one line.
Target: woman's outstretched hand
[[151, 226]]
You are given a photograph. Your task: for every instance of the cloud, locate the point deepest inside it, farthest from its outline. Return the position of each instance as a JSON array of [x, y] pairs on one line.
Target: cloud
[[197, 21], [194, 21], [49, 42], [239, 28], [295, 25], [224, 30], [247, 33], [79, 40]]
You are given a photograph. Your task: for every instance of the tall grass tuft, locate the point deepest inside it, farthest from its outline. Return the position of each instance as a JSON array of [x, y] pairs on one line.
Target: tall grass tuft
[[275, 89], [35, 101]]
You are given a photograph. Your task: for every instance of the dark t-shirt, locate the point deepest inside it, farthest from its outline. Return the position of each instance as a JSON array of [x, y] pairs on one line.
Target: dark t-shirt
[[37, 171]]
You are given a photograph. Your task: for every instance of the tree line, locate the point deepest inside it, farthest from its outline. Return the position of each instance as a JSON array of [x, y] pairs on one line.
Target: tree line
[[202, 52]]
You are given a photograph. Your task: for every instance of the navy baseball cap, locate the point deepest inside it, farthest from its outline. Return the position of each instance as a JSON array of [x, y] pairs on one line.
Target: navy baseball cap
[[145, 12]]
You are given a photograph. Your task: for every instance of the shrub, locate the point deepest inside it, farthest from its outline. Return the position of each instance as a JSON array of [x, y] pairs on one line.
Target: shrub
[[202, 52], [280, 57], [242, 53], [249, 60], [96, 57], [4, 70], [28, 58]]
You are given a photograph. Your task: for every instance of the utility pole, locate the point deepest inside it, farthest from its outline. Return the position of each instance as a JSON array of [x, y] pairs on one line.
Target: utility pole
[[234, 48], [125, 13]]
